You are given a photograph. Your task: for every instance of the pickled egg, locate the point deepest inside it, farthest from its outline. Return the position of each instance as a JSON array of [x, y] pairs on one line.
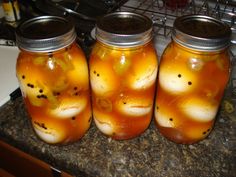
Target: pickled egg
[[166, 117], [143, 72], [36, 93], [79, 74], [177, 79], [100, 52], [104, 127], [69, 107], [35, 96], [134, 106], [103, 78], [104, 122], [121, 64], [199, 109], [31, 84], [50, 132]]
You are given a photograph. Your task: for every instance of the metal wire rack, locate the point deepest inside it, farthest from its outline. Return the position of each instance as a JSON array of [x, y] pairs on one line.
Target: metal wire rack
[[164, 16]]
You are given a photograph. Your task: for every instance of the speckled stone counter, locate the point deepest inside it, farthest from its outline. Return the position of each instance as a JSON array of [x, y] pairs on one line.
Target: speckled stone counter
[[148, 155]]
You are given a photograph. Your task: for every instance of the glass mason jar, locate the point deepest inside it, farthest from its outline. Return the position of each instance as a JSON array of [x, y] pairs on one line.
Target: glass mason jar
[[53, 76], [123, 70], [193, 73]]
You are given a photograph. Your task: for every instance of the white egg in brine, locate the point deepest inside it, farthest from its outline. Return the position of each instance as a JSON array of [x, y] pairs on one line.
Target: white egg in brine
[[50, 134], [69, 107], [176, 79], [104, 127], [166, 118], [103, 79], [134, 106], [143, 72], [199, 109]]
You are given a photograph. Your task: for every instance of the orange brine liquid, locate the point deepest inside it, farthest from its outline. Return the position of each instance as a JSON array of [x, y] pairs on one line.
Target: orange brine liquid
[[190, 87], [55, 87], [123, 87]]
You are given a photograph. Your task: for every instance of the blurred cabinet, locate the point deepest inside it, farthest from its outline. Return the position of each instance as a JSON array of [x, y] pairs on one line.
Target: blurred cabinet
[[15, 163]]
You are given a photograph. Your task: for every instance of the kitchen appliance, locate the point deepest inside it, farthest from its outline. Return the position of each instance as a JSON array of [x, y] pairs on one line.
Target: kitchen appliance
[[83, 13]]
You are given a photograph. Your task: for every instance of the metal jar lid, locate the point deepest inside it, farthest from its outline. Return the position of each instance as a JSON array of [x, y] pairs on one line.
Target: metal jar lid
[[45, 34], [201, 32], [124, 29]]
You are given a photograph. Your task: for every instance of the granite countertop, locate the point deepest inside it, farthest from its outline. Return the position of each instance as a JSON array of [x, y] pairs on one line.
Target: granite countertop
[[147, 155]]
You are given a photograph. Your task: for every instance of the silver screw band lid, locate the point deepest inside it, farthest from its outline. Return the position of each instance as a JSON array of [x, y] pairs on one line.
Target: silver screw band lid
[[201, 32], [124, 29], [45, 34]]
